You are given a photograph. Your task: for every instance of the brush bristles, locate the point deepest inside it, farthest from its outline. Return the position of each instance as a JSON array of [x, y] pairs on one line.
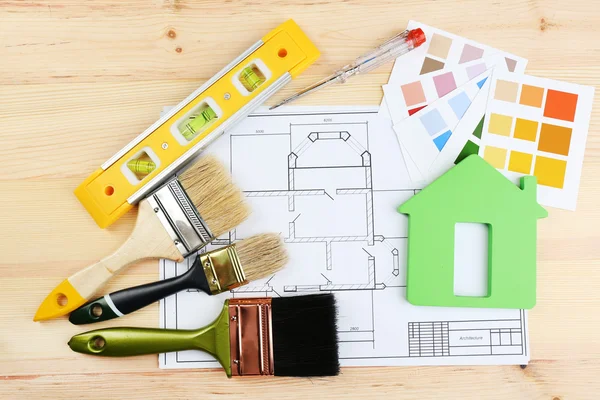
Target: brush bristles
[[305, 336], [218, 201], [261, 255]]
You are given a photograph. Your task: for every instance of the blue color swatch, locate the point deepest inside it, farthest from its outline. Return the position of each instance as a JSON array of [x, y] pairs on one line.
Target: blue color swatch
[[433, 122], [459, 104], [481, 82], [441, 140]]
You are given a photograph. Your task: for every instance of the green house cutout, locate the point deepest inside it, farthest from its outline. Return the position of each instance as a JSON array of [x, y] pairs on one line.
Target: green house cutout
[[473, 191]]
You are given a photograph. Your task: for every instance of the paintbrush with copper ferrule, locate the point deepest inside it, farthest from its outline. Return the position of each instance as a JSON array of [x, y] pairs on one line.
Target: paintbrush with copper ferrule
[[284, 336]]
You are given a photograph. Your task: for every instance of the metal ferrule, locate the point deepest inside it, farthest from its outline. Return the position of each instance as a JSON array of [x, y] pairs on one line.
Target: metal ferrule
[[223, 269], [179, 217], [251, 336]]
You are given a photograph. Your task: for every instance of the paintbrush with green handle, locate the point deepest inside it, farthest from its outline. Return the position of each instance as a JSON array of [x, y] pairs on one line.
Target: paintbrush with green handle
[[286, 336]]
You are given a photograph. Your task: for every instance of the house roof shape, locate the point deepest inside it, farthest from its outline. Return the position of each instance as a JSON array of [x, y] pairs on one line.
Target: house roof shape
[[474, 184]]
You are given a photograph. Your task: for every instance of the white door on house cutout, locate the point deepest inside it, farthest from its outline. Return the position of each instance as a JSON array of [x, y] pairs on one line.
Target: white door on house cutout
[[471, 259]]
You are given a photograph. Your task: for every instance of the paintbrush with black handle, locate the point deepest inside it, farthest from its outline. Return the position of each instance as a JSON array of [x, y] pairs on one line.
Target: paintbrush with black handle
[[214, 272]]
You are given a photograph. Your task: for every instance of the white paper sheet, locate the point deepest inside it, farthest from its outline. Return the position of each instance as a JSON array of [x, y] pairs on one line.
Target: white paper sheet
[[538, 126], [329, 181]]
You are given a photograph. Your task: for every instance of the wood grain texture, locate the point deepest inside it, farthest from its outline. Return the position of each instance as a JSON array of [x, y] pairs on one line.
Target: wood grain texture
[[80, 79]]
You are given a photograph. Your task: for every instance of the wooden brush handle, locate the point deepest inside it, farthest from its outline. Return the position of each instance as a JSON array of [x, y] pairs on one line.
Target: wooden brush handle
[[128, 300], [149, 239]]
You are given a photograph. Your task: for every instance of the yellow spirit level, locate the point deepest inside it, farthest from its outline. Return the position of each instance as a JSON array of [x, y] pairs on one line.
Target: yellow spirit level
[[229, 96]]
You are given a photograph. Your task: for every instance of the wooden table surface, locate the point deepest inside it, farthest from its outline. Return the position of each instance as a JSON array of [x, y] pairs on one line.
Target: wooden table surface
[[79, 79]]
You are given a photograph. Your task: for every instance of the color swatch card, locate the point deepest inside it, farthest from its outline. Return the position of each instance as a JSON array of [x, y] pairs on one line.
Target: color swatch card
[[537, 126], [444, 50], [425, 134], [418, 175], [441, 51], [405, 99], [465, 139]]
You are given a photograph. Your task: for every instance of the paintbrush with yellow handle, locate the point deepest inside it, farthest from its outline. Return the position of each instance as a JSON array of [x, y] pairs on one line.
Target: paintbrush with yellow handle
[[182, 216]]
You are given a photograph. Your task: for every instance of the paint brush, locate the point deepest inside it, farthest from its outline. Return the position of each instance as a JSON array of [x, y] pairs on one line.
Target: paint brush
[[286, 336], [214, 272], [182, 216]]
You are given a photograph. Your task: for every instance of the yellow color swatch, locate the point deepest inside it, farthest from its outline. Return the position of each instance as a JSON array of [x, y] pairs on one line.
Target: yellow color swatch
[[526, 129], [500, 124], [550, 172], [520, 162], [495, 156]]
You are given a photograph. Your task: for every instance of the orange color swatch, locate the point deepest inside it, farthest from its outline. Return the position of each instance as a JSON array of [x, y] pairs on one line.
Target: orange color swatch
[[531, 96], [560, 105], [555, 139]]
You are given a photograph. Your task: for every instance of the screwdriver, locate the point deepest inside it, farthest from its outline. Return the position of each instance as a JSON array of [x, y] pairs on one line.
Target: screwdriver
[[398, 45]]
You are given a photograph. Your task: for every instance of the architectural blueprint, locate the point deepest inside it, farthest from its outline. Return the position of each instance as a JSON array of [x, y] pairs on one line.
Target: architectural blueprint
[[329, 181]]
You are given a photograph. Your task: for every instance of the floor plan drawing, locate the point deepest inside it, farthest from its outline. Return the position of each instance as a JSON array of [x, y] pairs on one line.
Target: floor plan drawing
[[329, 181]]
